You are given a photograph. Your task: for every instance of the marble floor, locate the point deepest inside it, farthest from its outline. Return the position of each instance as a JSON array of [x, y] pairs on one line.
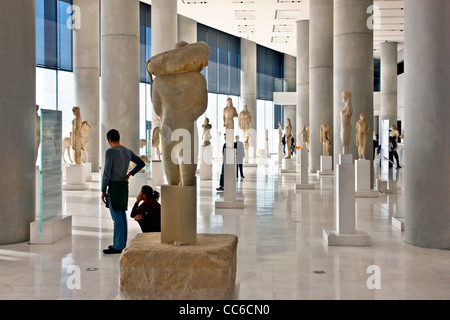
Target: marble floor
[[281, 251]]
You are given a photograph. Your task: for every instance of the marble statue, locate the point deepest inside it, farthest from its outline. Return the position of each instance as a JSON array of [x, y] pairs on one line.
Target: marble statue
[[362, 130], [66, 147], [288, 138], [266, 135], [85, 127], [179, 95], [325, 138], [142, 143], [280, 132], [156, 137], [346, 127], [305, 137], [229, 113], [245, 118], [206, 137], [38, 131], [76, 134]]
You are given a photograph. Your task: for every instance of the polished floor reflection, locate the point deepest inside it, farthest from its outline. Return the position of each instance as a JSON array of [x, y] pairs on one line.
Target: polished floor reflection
[[281, 252]]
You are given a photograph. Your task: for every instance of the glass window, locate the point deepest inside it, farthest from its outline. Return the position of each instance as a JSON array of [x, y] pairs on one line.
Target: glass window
[[66, 100], [46, 85], [270, 66], [64, 34]]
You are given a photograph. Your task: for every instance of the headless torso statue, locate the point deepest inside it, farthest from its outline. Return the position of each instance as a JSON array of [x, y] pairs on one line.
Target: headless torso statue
[[362, 130], [180, 97], [245, 119], [325, 138]]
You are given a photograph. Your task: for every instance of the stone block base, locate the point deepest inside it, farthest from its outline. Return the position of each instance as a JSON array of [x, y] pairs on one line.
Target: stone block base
[[306, 186], [234, 204], [53, 230], [151, 270], [399, 223], [359, 238], [366, 194]]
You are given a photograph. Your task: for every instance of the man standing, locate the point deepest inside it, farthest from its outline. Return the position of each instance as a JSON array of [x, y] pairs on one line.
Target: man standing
[[115, 187], [240, 154], [221, 182]]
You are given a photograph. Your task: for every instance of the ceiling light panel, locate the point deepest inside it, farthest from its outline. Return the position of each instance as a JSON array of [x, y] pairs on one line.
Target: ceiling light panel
[[194, 1], [245, 14], [287, 14], [243, 1], [244, 28], [280, 39], [290, 1], [283, 28]]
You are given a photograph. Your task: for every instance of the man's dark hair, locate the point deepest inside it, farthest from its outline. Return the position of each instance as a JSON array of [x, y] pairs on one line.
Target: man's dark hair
[[113, 135]]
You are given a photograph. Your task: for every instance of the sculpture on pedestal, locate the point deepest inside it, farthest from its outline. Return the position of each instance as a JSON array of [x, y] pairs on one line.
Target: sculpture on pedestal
[[206, 137], [156, 137], [245, 118], [179, 95], [288, 138], [85, 127], [305, 137], [76, 134], [362, 130], [229, 113], [280, 132], [346, 127], [38, 130], [325, 138]]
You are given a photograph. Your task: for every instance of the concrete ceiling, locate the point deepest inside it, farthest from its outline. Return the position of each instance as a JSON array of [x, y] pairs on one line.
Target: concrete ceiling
[[271, 23]]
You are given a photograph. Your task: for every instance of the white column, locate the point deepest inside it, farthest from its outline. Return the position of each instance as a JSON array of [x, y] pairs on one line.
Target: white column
[[427, 144], [164, 34], [353, 67], [17, 120], [187, 29], [248, 86], [321, 74], [164, 25], [389, 63], [302, 109], [86, 72], [120, 71]]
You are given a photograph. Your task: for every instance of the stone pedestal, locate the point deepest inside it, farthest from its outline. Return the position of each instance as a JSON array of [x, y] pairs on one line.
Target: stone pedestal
[[158, 176], [178, 214], [280, 153], [151, 270], [399, 223], [288, 166], [362, 180], [53, 230], [88, 171], [345, 234], [206, 163], [229, 200], [386, 186], [303, 155], [326, 166], [136, 183], [75, 177], [249, 159]]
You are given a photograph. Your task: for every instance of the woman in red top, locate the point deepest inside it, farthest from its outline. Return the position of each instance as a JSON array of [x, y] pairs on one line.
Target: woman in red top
[[147, 213]]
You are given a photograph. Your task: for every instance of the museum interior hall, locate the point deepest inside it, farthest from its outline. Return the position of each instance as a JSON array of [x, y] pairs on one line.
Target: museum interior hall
[[223, 150]]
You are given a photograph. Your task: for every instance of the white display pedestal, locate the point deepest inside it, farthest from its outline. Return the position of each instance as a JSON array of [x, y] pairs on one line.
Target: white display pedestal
[[326, 166], [248, 160], [206, 163], [38, 193], [229, 200], [88, 171], [266, 149], [280, 153], [345, 234], [288, 166], [303, 155], [158, 176], [399, 223], [362, 180], [136, 183], [53, 230], [179, 214], [76, 177], [386, 186]]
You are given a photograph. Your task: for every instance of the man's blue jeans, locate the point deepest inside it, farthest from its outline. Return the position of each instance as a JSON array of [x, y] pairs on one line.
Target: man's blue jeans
[[120, 227]]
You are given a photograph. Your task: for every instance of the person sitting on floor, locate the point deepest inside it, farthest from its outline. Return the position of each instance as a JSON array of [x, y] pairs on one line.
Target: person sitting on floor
[[147, 213]]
